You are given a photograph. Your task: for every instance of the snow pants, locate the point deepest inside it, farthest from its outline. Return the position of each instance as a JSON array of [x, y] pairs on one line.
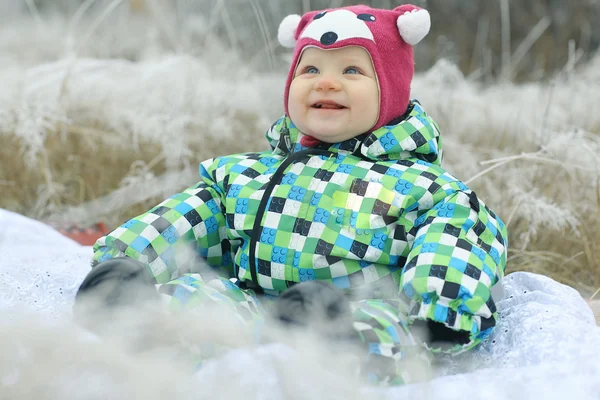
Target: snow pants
[[391, 350]]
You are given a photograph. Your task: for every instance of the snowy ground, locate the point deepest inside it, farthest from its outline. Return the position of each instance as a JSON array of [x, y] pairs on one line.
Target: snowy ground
[[545, 346]]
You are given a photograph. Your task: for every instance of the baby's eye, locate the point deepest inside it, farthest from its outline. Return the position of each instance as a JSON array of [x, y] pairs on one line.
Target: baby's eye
[[352, 70], [311, 70]]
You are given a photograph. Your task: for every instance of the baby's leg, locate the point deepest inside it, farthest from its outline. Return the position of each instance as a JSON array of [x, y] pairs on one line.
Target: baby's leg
[[212, 316], [190, 292], [396, 355], [118, 298]]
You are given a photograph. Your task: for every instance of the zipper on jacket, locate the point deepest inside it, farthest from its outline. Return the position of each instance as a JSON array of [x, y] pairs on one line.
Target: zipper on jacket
[[257, 228]]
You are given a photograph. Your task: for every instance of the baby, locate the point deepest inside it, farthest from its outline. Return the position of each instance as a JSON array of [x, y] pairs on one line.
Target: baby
[[350, 202]]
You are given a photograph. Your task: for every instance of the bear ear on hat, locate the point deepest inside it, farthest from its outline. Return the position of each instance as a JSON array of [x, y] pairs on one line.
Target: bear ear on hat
[[413, 23], [287, 31]]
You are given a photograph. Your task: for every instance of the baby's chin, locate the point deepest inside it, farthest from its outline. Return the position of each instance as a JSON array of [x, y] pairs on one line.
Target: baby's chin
[[334, 137]]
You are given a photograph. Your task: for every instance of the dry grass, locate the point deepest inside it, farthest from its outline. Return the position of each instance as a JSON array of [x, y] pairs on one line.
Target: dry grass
[[74, 169]]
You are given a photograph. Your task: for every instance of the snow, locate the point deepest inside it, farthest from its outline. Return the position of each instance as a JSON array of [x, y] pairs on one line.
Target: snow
[[546, 344]]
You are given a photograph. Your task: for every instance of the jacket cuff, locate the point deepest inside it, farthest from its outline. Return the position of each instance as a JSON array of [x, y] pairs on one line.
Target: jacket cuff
[[449, 330]]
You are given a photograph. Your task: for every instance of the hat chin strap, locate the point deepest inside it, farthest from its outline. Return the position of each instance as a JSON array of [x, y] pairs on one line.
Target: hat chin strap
[[309, 141]]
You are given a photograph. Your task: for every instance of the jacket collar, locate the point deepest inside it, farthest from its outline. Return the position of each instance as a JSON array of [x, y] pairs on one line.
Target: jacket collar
[[413, 135]]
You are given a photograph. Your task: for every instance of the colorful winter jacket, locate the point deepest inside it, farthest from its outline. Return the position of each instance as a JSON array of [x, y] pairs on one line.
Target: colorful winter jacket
[[373, 212]]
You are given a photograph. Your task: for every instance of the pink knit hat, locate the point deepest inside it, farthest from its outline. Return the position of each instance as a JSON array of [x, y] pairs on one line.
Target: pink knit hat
[[388, 36]]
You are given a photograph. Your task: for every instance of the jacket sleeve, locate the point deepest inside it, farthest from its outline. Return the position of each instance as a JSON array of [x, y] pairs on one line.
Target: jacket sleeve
[[180, 235], [458, 254]]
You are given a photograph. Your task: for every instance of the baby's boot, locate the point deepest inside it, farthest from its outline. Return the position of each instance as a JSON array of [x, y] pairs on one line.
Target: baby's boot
[[317, 305], [111, 290]]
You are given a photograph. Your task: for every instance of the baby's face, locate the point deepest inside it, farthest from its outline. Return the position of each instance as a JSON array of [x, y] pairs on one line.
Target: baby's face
[[334, 95]]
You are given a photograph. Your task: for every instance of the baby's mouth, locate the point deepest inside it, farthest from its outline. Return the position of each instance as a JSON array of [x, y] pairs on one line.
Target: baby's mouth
[[328, 105]]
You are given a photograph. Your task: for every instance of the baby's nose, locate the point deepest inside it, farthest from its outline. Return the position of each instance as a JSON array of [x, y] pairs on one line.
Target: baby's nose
[[327, 83]]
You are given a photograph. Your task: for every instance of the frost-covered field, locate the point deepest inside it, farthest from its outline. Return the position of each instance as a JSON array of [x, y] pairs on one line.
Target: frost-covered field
[[100, 118]]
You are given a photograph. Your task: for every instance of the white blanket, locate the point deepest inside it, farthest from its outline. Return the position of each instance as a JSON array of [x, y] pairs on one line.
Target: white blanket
[[546, 344]]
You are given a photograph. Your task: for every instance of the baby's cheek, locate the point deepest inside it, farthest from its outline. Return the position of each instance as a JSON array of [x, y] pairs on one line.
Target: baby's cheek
[[371, 114], [297, 112]]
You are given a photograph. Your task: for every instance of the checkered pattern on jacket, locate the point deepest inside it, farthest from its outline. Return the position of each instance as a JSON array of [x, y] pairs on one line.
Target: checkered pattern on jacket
[[367, 211]]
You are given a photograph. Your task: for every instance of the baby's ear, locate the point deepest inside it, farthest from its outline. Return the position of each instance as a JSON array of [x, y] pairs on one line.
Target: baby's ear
[[287, 31], [413, 23]]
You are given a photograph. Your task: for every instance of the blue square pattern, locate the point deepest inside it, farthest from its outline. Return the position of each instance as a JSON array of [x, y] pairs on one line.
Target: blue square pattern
[[374, 348], [183, 208], [409, 291], [467, 225], [440, 313], [190, 281], [182, 294], [344, 242], [139, 244], [427, 297], [238, 168], [391, 330], [168, 257], [170, 234], [130, 223], [433, 146], [341, 282], [488, 271], [458, 264], [495, 255], [492, 228]]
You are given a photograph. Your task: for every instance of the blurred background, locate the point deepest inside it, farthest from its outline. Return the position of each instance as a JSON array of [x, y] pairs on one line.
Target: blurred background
[[107, 107], [523, 40]]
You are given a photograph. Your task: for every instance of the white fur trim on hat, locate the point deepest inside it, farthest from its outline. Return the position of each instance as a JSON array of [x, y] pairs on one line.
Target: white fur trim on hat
[[414, 26], [287, 31]]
